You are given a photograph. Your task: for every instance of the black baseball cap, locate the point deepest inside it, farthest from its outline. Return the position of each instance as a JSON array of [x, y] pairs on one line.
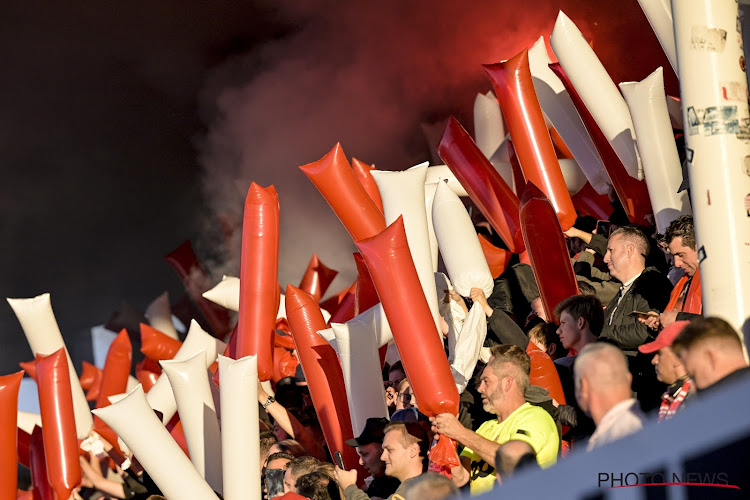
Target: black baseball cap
[[372, 433]]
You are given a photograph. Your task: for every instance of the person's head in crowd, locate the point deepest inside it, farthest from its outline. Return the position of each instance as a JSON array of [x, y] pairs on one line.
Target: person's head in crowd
[[504, 380], [369, 445], [627, 250], [581, 321], [278, 461], [318, 485], [710, 349], [396, 373], [267, 439], [544, 336], [584, 223], [405, 447], [298, 467], [511, 456], [680, 241], [586, 288], [405, 395], [288, 446], [602, 379], [430, 486], [669, 368]]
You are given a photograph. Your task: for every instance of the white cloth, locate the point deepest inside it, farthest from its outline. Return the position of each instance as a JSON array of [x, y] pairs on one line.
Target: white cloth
[[621, 420]]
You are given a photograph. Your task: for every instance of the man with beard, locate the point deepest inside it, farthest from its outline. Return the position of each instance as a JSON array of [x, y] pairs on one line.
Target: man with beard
[[369, 448], [503, 384]]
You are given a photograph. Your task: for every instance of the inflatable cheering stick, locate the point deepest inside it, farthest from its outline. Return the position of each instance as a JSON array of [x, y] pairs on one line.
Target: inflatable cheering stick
[[156, 345], [9, 385], [58, 423], [317, 278], [485, 186], [338, 184], [362, 171], [547, 250], [389, 260], [185, 263], [633, 194], [43, 334], [531, 139], [322, 371], [258, 277]]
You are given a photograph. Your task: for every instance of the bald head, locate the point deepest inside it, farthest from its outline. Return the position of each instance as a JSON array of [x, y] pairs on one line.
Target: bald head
[[605, 365], [602, 378], [509, 455]]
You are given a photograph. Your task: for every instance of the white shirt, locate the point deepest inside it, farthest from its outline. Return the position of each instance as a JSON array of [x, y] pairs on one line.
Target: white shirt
[[621, 420]]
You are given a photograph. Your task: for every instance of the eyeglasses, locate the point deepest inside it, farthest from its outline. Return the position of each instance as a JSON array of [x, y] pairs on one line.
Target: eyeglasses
[[405, 398]]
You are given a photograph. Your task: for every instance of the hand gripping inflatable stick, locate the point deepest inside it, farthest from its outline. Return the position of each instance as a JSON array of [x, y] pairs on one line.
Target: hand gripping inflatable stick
[[258, 277], [388, 257], [515, 91]]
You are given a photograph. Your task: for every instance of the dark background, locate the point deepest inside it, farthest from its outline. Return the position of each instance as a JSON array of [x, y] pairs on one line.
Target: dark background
[[128, 127]]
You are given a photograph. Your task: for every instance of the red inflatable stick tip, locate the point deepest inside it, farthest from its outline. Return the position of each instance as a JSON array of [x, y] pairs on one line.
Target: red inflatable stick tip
[[157, 345], [548, 253], [116, 369], [317, 278], [257, 194], [531, 139], [482, 182], [336, 181], [91, 381], [30, 368], [363, 173]]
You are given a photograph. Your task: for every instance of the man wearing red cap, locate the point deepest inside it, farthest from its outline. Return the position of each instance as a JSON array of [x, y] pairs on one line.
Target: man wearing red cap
[[670, 370]]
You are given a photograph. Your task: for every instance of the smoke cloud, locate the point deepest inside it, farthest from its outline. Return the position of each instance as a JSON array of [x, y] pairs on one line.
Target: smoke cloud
[[366, 74]]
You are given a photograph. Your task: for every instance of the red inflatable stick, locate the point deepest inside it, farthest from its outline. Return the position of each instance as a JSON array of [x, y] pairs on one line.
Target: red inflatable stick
[[334, 301], [38, 465], [114, 380], [366, 296], [58, 422], [116, 369], [548, 253], [317, 278], [258, 277], [389, 260], [323, 373], [284, 363], [29, 367], [156, 345], [497, 258], [515, 93], [544, 374], [184, 261], [588, 202], [147, 372], [485, 186], [363, 173], [345, 311], [519, 179], [633, 194], [91, 381], [23, 447], [336, 181], [9, 385]]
